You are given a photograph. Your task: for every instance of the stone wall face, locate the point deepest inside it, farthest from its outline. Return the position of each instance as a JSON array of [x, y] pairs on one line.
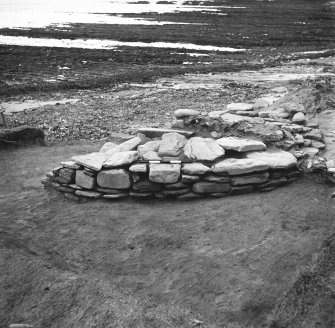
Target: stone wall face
[[182, 167]]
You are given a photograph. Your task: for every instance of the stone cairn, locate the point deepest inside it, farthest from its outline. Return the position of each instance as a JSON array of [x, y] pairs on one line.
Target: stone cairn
[[165, 163]]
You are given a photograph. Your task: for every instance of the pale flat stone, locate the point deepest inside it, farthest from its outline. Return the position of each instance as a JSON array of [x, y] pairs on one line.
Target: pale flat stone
[[184, 112], [279, 90], [250, 179], [292, 107], [204, 187], [216, 113], [93, 161], [189, 196], [195, 169], [185, 178], [203, 149], [158, 132], [330, 164], [125, 146], [262, 102], [85, 181], [89, 194], [233, 107], [149, 146], [314, 134], [139, 168], [116, 196], [234, 166], [151, 156], [299, 139], [276, 159], [107, 147], [240, 144], [310, 151], [171, 144], [233, 118], [114, 179], [317, 144], [164, 173], [121, 158], [71, 165], [299, 118]]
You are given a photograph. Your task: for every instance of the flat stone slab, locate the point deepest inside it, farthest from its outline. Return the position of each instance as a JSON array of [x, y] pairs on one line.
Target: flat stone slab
[[195, 169], [234, 166], [171, 144], [158, 132], [93, 161], [250, 179], [233, 118], [125, 146], [234, 107], [148, 146], [164, 173], [139, 168], [114, 179], [85, 181], [121, 158], [184, 112], [89, 194], [146, 186], [240, 144], [204, 187], [107, 147], [203, 149], [71, 165], [314, 134], [276, 159]]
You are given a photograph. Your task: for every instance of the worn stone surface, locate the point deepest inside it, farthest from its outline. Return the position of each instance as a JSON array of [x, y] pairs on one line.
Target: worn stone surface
[[158, 132], [93, 161], [175, 192], [216, 178], [114, 179], [239, 190], [250, 179], [151, 156], [71, 165], [203, 149], [189, 196], [216, 113], [171, 144], [293, 128], [273, 183], [276, 159], [204, 187], [90, 194], [240, 144], [262, 102], [139, 168], [299, 139], [185, 178], [65, 176], [121, 158], [310, 151], [292, 107], [107, 147], [109, 190], [164, 173], [314, 134], [279, 113], [89, 172], [233, 118], [84, 180], [234, 166], [299, 118], [148, 146], [125, 146], [233, 107], [195, 169], [317, 144], [177, 185], [140, 195], [146, 186], [184, 112], [116, 196]]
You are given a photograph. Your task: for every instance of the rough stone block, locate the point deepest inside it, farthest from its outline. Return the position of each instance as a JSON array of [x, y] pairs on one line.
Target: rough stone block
[[146, 186], [250, 179], [195, 169], [164, 173], [203, 149], [234, 166], [114, 179], [121, 158], [240, 144], [85, 181]]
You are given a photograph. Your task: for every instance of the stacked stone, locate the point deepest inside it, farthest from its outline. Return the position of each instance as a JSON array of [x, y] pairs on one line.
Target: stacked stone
[[163, 163]]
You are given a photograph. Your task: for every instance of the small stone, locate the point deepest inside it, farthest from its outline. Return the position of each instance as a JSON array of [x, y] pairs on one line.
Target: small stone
[[116, 196], [331, 170], [114, 179], [164, 173], [184, 112], [146, 186], [195, 169], [216, 178], [204, 187], [189, 196], [234, 166], [203, 149], [89, 194], [307, 142], [312, 125], [140, 195], [240, 144], [233, 118], [241, 190], [292, 107], [262, 102], [89, 172], [250, 114], [139, 168], [294, 128], [233, 107], [263, 114], [273, 183], [85, 181], [279, 113], [136, 177], [93, 161], [250, 179], [216, 113], [176, 192], [299, 118], [71, 165], [299, 139], [216, 135], [107, 147], [279, 90], [219, 194], [148, 146], [317, 144], [171, 144], [330, 164], [158, 132], [276, 159], [121, 159], [151, 156], [56, 170], [299, 154], [314, 134], [178, 124], [185, 178]]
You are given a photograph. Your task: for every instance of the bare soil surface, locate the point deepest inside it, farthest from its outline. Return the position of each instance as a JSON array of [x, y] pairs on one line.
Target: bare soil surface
[[209, 263]]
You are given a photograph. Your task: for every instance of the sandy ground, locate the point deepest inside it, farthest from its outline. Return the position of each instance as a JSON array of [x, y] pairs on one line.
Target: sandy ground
[[132, 264]]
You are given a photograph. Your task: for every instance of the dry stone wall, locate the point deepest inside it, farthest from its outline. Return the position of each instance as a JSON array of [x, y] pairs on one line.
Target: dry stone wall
[[174, 164]]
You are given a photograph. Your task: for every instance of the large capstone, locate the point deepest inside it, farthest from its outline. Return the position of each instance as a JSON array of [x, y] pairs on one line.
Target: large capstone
[[171, 144], [240, 144], [203, 149], [234, 166], [276, 159], [121, 158], [164, 173], [93, 161], [115, 179]]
